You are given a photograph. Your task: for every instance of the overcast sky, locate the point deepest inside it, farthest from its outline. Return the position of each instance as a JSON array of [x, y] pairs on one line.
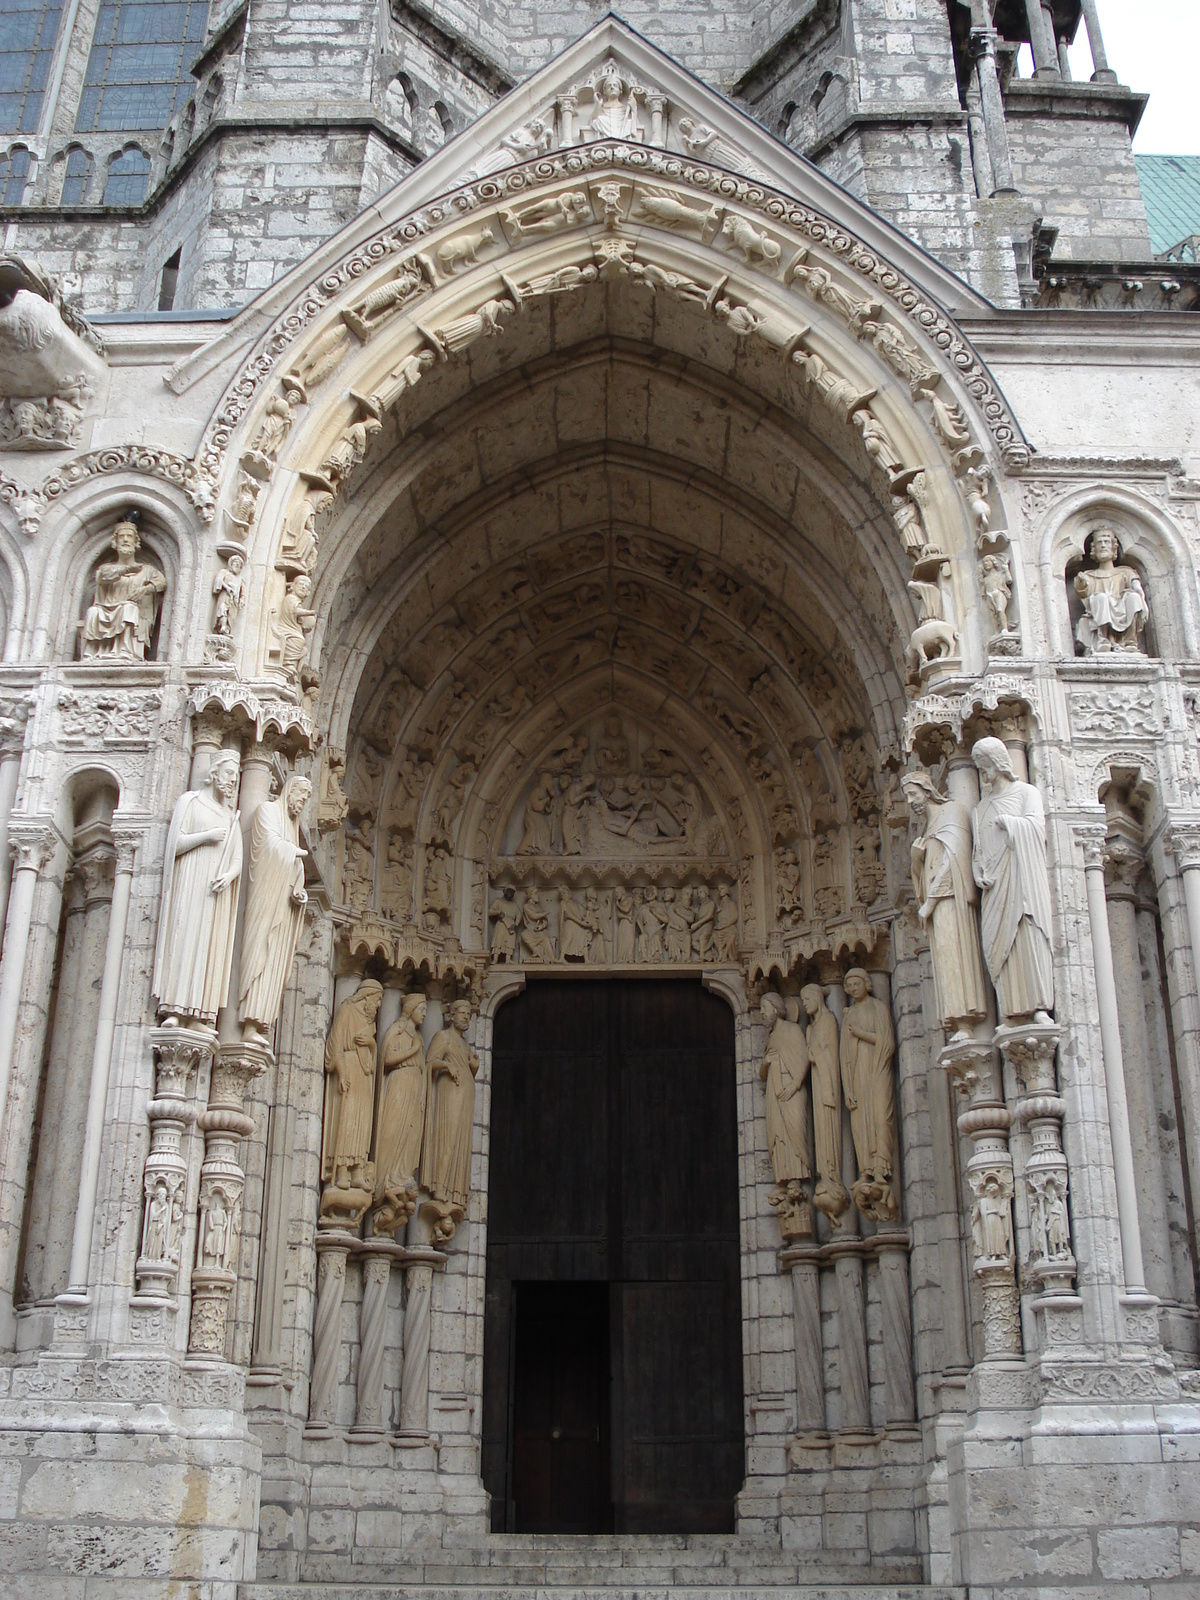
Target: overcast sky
[[1154, 47]]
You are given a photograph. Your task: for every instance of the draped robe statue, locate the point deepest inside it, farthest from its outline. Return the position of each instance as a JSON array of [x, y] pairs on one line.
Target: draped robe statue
[[401, 1116], [1009, 827], [274, 907], [446, 1153], [868, 1045], [1114, 602], [118, 624], [201, 877], [350, 1090], [826, 1079], [946, 900], [784, 1072]]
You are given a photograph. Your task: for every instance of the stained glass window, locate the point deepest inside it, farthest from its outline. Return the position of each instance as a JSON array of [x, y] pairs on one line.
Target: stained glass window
[[14, 172], [78, 174], [28, 30], [128, 175], [137, 74]]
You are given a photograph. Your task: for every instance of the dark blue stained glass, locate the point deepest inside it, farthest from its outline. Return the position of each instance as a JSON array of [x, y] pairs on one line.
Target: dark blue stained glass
[[28, 31], [14, 170], [128, 175], [78, 175], [137, 74]]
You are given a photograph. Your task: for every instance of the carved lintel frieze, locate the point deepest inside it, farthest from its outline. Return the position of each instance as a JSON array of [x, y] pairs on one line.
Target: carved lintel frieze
[[122, 717]]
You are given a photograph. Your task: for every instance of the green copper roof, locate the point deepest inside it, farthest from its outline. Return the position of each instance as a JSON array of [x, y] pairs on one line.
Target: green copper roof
[[1171, 190]]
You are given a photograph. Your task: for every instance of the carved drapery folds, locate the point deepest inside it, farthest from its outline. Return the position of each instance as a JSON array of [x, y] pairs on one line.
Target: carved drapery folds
[[830, 1065], [275, 903], [119, 623], [1115, 611]]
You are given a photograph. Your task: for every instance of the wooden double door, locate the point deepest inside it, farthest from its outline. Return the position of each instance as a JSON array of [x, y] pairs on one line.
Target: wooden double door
[[612, 1340]]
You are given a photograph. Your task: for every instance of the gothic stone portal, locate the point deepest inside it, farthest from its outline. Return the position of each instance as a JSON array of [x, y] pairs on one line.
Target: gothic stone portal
[[613, 1339]]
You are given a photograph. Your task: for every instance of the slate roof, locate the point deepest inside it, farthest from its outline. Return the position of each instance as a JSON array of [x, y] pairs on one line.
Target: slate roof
[[1171, 190]]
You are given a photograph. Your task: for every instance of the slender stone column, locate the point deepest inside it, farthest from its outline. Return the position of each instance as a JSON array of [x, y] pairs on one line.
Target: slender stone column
[[33, 845], [126, 840], [10, 771], [1041, 41], [803, 1263], [1092, 837], [852, 1338], [377, 1258], [179, 1054], [414, 1374], [1123, 865], [222, 1183], [1101, 71], [333, 1250], [901, 1399]]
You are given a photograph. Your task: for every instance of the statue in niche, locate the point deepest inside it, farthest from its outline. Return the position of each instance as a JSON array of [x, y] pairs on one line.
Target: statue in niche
[[201, 877], [216, 1233], [947, 901], [294, 624], [995, 574], [704, 913], [229, 588], [784, 1072], [867, 1047], [446, 1152], [118, 625], [1114, 602], [350, 1090], [575, 796], [538, 837], [991, 1215], [651, 920], [614, 117], [358, 874], [1009, 860], [158, 1225], [401, 1116], [1048, 1224], [825, 1073], [679, 924], [626, 947], [274, 907], [536, 943], [504, 915], [439, 888], [725, 926]]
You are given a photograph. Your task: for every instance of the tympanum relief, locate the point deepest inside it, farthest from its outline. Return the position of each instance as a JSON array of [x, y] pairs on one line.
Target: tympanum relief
[[612, 853]]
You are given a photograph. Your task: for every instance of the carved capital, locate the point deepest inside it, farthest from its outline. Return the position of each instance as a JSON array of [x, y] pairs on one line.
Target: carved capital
[[1183, 840], [127, 841], [1123, 865], [32, 843], [1092, 838]]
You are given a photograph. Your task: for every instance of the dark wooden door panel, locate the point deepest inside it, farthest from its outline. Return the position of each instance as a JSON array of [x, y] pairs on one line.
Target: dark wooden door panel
[[561, 1409], [614, 1159], [680, 1445]]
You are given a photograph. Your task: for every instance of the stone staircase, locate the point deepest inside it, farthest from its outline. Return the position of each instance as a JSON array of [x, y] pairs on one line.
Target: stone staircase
[[604, 1567]]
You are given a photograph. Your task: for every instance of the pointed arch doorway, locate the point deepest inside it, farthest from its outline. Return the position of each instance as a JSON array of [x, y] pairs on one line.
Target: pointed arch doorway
[[612, 1341]]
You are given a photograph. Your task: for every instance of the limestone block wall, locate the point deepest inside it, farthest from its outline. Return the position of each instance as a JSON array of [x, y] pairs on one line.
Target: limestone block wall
[[1072, 157]]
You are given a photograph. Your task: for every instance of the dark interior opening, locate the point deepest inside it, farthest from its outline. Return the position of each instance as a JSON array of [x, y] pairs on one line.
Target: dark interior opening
[[612, 1341]]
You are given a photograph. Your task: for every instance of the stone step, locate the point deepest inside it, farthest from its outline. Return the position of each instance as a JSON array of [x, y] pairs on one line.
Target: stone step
[[660, 1587]]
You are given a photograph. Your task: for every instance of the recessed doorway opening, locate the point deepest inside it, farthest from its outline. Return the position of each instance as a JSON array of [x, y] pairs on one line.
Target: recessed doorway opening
[[612, 1344]]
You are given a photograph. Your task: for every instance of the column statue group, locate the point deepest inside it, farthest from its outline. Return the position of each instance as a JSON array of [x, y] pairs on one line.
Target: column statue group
[[421, 1135], [850, 1065], [983, 893]]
